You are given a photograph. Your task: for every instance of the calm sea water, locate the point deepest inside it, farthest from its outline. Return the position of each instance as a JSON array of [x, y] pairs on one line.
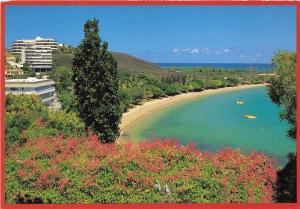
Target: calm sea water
[[234, 66], [215, 122]]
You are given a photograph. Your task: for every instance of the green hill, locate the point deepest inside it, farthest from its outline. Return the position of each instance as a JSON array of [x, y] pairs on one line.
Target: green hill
[[62, 60], [126, 63], [132, 64]]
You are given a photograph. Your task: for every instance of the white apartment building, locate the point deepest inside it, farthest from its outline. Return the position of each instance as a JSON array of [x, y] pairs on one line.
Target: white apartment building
[[42, 87], [38, 58], [49, 42], [17, 46], [36, 53]]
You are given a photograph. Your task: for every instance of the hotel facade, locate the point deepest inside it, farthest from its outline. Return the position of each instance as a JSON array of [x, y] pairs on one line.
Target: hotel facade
[[37, 53], [17, 46], [38, 58], [45, 88]]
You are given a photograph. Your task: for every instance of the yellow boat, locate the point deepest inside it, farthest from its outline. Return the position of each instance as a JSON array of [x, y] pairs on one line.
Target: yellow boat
[[249, 116], [239, 102]]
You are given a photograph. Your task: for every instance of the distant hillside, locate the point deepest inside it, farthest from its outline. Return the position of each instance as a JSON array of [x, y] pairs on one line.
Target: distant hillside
[[126, 63], [132, 64], [62, 60]]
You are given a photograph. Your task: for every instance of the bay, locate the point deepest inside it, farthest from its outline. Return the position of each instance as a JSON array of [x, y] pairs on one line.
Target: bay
[[215, 122]]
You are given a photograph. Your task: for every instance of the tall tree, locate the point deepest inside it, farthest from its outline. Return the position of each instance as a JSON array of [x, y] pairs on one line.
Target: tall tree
[[282, 91], [96, 84]]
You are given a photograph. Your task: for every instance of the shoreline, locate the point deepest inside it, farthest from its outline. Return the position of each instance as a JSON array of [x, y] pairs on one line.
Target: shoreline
[[139, 111]]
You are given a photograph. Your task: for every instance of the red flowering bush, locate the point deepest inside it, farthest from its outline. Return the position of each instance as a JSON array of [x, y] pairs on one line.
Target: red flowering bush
[[64, 170]]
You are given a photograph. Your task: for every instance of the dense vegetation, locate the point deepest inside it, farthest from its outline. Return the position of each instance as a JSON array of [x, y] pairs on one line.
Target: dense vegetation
[[27, 118], [95, 78], [82, 170], [282, 91], [138, 87]]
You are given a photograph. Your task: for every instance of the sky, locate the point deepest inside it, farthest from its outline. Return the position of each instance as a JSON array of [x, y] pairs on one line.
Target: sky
[[171, 34]]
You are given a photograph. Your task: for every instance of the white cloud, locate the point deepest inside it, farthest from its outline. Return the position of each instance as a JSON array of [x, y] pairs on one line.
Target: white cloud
[[175, 50], [194, 51], [242, 56], [226, 50], [206, 50], [186, 50]]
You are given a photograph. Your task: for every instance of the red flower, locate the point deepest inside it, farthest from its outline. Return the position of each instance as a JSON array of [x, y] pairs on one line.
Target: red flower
[[21, 173], [94, 163], [39, 122], [62, 184], [89, 181], [71, 144], [130, 174]]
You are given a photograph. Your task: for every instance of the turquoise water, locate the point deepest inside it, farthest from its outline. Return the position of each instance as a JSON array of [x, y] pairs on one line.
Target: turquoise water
[[214, 122]]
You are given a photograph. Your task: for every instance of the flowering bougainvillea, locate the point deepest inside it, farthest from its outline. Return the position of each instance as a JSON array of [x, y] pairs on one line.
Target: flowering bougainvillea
[[82, 170]]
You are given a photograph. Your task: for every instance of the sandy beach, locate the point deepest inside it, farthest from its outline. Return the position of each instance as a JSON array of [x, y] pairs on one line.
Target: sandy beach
[[148, 107]]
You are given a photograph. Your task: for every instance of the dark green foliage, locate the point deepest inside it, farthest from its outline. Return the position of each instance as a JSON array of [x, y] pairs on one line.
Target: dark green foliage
[[68, 101], [286, 184], [282, 91], [27, 199], [62, 77], [64, 88], [95, 79], [173, 89]]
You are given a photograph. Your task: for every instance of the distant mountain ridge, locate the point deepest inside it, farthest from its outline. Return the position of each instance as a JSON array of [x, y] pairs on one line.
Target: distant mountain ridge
[[126, 63]]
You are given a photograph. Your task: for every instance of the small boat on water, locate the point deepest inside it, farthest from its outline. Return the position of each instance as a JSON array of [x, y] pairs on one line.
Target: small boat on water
[[239, 102], [249, 116]]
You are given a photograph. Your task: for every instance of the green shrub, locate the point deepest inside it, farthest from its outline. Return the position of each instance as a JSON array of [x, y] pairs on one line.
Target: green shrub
[[26, 117]]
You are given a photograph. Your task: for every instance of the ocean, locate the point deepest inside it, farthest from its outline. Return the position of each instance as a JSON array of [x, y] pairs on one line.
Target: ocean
[[214, 122], [233, 66]]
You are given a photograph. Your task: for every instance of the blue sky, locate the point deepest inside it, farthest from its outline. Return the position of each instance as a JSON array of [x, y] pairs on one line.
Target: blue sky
[[223, 34]]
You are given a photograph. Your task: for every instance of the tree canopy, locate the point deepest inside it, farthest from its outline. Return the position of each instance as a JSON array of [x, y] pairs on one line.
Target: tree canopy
[[282, 90], [96, 84]]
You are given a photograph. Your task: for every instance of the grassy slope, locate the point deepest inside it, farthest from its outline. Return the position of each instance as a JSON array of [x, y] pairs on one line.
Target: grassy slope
[[126, 63], [129, 63]]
